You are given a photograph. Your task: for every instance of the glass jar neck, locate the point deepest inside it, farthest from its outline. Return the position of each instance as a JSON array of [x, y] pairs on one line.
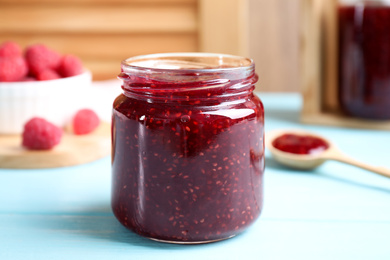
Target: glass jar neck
[[192, 77]]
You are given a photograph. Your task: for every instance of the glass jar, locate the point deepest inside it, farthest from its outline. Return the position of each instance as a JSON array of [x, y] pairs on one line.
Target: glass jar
[[364, 58], [187, 147]]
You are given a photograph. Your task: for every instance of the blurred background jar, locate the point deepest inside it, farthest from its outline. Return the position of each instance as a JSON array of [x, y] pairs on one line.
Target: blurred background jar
[[364, 58]]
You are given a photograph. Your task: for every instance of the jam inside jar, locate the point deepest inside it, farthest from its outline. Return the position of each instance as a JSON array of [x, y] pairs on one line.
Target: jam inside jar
[[364, 58], [187, 147]]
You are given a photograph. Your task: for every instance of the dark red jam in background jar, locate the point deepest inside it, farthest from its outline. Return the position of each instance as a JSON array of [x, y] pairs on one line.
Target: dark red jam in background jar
[[187, 147], [364, 59]]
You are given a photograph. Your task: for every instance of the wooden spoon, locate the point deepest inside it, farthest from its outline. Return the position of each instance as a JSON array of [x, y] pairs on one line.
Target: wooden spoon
[[311, 161]]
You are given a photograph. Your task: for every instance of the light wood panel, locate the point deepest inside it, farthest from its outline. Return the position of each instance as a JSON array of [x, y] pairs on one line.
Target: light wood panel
[[101, 32], [224, 26], [97, 19], [267, 31], [103, 69], [264, 30], [311, 55], [329, 55], [112, 46], [274, 43], [102, 54], [88, 2]]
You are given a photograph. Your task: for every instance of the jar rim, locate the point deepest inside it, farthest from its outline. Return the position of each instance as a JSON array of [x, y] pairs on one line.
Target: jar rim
[[193, 62]]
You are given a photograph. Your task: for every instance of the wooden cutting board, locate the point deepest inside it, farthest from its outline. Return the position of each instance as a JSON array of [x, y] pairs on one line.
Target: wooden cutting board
[[73, 150]]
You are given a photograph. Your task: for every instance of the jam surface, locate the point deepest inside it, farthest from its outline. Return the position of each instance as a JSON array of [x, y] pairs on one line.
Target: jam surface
[[300, 144], [186, 168], [364, 60]]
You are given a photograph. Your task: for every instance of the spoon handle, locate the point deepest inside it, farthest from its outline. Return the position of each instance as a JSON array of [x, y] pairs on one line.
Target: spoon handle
[[335, 155]]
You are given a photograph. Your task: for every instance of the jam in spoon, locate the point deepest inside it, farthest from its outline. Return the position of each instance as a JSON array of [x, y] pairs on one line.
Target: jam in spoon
[[304, 150]]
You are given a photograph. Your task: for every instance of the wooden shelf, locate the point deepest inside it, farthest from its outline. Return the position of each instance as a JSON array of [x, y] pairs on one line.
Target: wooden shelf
[[337, 119], [319, 68]]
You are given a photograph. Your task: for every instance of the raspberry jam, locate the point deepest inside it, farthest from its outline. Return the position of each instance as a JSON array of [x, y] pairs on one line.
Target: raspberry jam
[[364, 59], [187, 147], [300, 144]]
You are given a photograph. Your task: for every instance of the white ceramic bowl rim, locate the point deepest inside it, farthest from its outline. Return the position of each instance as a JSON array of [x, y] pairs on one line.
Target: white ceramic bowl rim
[[55, 100], [45, 83]]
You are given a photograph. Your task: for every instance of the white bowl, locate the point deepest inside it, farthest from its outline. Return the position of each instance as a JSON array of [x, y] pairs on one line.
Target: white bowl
[[54, 100]]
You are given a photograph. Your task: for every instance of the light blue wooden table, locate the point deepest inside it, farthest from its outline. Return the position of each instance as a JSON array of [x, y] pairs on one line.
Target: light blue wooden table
[[335, 212]]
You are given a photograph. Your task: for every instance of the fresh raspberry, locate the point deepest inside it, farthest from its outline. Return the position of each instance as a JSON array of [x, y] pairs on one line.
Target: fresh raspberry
[[70, 65], [28, 79], [40, 134], [12, 69], [10, 49], [85, 121], [40, 58], [48, 75]]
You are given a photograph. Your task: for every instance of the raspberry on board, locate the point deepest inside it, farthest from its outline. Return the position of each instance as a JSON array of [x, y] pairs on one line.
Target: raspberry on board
[[70, 65], [12, 69], [40, 134], [10, 49], [39, 58], [85, 121]]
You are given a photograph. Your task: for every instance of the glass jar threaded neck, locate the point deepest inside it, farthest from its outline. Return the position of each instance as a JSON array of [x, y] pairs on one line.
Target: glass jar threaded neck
[[187, 76]]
